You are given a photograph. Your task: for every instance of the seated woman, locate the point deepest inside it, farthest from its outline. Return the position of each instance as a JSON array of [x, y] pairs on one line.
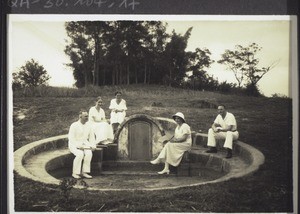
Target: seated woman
[[102, 130], [118, 110], [174, 149]]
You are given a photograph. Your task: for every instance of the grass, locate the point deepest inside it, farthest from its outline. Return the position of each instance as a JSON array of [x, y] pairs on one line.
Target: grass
[[265, 123]]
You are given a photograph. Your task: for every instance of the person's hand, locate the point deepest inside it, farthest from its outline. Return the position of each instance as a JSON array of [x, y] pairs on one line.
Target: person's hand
[[174, 140], [93, 148], [80, 148], [217, 128]]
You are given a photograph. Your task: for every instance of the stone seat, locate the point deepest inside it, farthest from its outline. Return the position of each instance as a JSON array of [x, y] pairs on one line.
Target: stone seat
[[41, 164], [200, 140], [184, 168]]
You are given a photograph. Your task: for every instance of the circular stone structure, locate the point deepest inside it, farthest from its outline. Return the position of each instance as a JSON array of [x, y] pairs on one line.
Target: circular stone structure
[[120, 167]]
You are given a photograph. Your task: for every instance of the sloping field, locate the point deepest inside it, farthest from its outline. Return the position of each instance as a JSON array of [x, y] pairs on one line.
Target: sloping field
[[265, 123]]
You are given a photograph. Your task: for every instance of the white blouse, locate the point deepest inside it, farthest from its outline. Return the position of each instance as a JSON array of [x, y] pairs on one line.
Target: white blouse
[[98, 115], [115, 105]]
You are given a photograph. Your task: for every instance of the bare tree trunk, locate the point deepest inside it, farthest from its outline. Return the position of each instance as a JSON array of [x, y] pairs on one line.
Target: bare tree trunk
[[117, 74], [145, 73], [104, 76], [85, 78], [149, 75], [170, 76], [136, 75], [128, 80], [96, 63]]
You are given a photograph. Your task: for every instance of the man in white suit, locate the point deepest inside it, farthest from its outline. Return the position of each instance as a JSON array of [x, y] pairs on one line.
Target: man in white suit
[[81, 144], [224, 127]]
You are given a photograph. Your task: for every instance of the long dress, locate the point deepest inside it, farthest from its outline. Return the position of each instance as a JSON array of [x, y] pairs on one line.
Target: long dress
[[102, 130], [117, 117], [172, 152]]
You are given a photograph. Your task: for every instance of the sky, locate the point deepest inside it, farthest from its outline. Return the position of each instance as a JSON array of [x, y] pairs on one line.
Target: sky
[[42, 37]]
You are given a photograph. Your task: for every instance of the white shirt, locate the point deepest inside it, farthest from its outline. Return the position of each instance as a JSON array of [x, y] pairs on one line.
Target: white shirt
[[229, 120], [80, 135], [115, 105], [99, 115]]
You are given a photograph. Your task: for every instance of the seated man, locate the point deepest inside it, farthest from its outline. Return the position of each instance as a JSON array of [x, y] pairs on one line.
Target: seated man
[[81, 144], [224, 127]]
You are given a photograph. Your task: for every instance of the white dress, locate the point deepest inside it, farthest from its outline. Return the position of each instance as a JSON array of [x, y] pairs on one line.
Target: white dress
[[102, 130], [117, 117], [172, 152]]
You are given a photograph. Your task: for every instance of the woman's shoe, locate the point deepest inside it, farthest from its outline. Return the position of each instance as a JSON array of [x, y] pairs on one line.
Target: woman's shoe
[[164, 171], [156, 161]]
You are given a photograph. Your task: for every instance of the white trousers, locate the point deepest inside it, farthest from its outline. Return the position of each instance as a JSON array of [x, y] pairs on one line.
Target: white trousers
[[228, 136], [82, 155]]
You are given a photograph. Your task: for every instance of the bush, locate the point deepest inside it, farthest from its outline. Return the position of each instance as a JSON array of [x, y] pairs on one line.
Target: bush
[[252, 90], [226, 87]]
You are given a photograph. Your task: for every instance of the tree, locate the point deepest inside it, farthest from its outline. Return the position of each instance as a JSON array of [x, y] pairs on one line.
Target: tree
[[80, 51], [30, 74], [198, 62], [126, 52], [176, 57], [244, 64]]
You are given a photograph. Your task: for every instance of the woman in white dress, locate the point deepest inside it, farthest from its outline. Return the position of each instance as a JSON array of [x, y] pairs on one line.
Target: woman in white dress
[[118, 110], [102, 129], [173, 151]]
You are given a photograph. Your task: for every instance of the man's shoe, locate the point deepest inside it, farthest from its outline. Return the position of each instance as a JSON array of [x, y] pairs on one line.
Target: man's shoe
[[212, 150], [229, 153], [76, 176], [87, 175]]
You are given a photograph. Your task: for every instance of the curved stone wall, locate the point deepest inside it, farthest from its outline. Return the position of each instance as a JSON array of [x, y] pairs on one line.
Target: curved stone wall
[[57, 156]]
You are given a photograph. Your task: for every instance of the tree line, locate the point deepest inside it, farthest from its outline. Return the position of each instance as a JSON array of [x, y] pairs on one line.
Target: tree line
[[132, 52], [128, 52]]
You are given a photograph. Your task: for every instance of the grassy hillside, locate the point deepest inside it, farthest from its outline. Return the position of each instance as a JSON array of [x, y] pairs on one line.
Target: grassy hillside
[[264, 123]]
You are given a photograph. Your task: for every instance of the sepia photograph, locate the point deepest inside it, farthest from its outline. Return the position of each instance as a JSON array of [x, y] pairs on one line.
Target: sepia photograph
[[152, 113]]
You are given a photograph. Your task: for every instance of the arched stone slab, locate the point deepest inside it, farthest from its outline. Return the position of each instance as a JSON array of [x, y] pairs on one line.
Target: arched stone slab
[[138, 138]]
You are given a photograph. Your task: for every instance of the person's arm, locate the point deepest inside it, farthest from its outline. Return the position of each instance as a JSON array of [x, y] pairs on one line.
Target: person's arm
[[73, 142], [112, 105], [94, 118], [180, 139], [124, 105], [186, 132], [229, 128], [92, 139], [216, 127], [121, 107]]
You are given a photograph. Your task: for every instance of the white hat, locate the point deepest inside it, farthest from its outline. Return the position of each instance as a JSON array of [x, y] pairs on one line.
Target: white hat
[[179, 114]]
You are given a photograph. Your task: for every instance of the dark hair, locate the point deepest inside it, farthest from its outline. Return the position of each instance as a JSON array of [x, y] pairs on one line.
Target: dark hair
[[118, 92], [99, 98], [82, 110]]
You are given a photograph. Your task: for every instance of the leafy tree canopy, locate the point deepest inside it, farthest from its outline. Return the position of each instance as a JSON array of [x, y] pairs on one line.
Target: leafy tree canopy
[[30, 74]]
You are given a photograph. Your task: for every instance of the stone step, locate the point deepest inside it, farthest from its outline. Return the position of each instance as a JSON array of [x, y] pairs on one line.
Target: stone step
[[192, 164]]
